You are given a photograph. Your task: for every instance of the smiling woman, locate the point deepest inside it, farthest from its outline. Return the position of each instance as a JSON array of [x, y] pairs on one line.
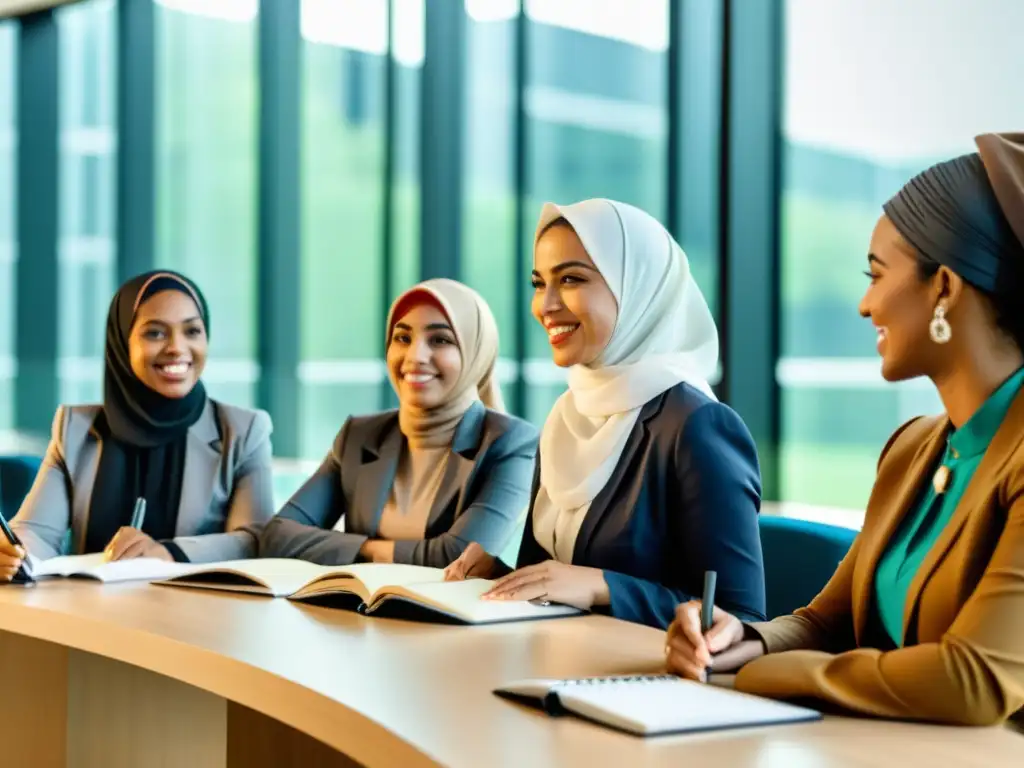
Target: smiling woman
[[447, 469], [423, 357], [923, 618], [570, 298], [168, 343], [202, 467], [645, 481]]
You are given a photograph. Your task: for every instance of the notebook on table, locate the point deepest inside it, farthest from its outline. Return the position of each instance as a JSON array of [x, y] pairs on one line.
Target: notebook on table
[[652, 705], [406, 591], [96, 567]]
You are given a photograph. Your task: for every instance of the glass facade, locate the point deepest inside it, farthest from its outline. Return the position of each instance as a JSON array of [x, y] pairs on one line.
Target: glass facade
[[206, 169], [489, 260], [8, 251], [562, 100], [595, 125], [874, 94], [343, 118], [88, 146]]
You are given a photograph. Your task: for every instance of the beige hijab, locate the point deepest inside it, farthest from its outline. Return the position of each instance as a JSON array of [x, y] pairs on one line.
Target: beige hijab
[[476, 333]]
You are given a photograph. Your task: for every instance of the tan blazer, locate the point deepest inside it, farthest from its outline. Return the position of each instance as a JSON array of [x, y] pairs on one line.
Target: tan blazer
[[964, 611], [226, 492]]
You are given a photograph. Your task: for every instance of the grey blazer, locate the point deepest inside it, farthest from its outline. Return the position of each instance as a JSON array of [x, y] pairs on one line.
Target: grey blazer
[[226, 492], [483, 496]]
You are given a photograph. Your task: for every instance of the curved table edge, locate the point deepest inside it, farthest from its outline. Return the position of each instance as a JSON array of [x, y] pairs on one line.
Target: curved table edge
[[344, 729]]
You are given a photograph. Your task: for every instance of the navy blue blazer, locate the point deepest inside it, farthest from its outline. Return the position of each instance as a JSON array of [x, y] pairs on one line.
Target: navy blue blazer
[[484, 492], [684, 498]]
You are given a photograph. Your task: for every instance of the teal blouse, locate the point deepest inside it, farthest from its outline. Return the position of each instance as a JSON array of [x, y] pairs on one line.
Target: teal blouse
[[920, 529]]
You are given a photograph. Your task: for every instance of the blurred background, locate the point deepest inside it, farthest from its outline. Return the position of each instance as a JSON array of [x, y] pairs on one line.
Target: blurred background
[[304, 161]]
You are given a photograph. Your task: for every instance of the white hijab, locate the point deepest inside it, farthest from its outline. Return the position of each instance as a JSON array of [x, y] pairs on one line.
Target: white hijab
[[664, 335]]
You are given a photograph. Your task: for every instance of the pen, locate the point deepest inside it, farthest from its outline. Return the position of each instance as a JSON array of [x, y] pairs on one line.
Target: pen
[[707, 602], [139, 515], [22, 576]]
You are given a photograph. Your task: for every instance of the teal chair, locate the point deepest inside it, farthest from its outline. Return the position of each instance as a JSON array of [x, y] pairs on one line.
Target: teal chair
[[799, 559], [17, 474]]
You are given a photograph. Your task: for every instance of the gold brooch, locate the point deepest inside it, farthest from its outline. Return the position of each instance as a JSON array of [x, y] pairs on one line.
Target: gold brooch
[[940, 480]]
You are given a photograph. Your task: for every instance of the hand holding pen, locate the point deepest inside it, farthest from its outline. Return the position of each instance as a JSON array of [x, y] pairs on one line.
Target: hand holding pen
[[12, 556], [704, 637], [130, 542]]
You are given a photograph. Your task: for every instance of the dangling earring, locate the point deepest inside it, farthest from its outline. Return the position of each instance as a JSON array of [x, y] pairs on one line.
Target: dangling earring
[[939, 328]]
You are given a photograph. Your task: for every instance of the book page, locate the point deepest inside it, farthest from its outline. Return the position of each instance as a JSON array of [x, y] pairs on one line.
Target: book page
[[461, 599], [279, 577], [379, 576], [671, 705], [64, 565], [371, 577], [95, 566]]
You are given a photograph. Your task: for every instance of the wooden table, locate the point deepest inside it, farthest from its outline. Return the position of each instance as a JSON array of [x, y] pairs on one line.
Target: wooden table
[[136, 675]]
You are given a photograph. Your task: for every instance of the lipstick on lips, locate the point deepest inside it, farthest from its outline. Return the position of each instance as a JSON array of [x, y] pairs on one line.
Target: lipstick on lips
[[560, 333]]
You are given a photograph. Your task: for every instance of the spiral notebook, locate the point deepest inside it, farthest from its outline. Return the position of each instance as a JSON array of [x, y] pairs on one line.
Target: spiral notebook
[[652, 705]]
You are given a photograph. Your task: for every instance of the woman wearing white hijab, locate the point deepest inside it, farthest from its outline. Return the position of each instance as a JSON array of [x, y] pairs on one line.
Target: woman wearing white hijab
[[645, 480]]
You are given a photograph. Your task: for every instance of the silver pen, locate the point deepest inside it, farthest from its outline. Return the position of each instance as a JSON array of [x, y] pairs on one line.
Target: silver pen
[[139, 515]]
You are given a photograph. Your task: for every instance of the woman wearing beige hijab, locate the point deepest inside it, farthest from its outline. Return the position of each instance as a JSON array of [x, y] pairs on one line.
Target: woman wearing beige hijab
[[418, 484]]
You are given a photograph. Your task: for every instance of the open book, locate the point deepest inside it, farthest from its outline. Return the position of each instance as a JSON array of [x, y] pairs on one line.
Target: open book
[[96, 567], [650, 705], [407, 591]]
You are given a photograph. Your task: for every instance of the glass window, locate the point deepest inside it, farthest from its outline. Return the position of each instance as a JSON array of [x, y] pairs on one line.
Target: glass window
[[344, 298], [206, 173], [8, 33], [86, 249], [597, 125], [875, 92], [489, 260], [407, 51]]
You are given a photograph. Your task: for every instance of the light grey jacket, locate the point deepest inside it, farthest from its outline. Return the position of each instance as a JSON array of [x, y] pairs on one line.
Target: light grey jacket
[[226, 491]]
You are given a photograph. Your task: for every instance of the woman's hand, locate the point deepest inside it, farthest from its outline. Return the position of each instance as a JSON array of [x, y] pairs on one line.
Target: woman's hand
[[554, 582], [11, 558], [377, 551], [129, 543], [473, 563], [690, 653]]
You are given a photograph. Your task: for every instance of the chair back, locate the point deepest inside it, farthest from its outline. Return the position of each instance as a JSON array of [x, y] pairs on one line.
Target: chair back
[[17, 473], [799, 559]]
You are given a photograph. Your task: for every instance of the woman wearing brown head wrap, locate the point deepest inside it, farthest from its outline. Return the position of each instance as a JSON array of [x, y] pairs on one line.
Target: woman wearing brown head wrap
[[924, 618], [449, 467]]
